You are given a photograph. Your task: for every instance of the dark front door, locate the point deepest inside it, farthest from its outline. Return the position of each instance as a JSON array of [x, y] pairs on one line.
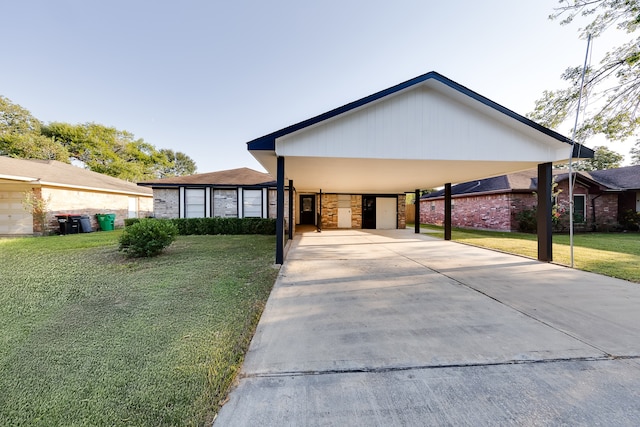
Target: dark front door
[[369, 212], [308, 209]]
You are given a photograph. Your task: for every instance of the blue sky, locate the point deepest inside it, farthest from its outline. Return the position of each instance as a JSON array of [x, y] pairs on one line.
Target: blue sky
[[205, 77]]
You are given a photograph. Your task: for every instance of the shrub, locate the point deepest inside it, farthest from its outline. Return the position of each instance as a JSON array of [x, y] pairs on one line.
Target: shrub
[[527, 221], [147, 237], [217, 225], [630, 220], [130, 221]]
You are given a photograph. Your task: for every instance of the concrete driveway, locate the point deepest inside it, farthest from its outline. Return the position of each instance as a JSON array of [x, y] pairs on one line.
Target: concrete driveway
[[390, 328]]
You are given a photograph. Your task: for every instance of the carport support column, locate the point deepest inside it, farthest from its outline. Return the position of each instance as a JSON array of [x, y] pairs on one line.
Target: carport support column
[[417, 218], [280, 212], [447, 211], [545, 252], [291, 218]]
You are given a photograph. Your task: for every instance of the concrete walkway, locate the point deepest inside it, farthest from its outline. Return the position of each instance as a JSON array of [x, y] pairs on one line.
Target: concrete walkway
[[390, 328]]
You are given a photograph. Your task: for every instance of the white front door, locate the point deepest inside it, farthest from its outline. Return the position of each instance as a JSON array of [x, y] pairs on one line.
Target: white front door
[[638, 201], [386, 213]]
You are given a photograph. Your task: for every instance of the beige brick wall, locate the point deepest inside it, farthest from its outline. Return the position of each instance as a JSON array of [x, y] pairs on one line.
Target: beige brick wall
[[80, 202]]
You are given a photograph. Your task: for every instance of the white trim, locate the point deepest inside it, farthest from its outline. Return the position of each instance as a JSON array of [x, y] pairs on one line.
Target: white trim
[[181, 207], [265, 205], [240, 202], [207, 202]]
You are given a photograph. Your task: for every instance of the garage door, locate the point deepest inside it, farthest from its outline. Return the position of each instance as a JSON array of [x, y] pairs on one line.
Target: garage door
[[386, 213], [14, 220]]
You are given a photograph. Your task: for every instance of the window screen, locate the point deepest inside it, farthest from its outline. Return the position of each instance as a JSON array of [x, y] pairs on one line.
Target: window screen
[[194, 203], [252, 203]]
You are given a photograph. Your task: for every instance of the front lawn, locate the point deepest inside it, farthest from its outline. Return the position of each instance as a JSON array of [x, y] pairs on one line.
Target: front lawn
[[90, 338], [611, 254]]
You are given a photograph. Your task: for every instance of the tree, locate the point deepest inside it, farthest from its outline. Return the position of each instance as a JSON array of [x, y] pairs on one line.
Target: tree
[[603, 158], [635, 154], [117, 153], [32, 146], [614, 84], [16, 120], [179, 164], [20, 135], [100, 148]]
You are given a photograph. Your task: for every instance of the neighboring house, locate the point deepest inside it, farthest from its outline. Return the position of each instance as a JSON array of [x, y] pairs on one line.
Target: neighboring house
[[600, 199], [234, 193], [66, 189]]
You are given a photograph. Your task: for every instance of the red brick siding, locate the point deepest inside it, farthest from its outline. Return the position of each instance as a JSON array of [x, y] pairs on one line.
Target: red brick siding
[[493, 211], [499, 211]]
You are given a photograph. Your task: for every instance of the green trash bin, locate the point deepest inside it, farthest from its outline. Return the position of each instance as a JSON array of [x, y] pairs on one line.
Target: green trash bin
[[106, 221]]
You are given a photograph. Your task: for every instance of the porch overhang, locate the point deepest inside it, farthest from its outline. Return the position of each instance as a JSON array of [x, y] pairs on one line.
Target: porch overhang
[[424, 133]]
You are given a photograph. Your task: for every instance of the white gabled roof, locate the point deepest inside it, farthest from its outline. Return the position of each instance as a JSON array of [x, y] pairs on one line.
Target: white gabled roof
[[419, 134]]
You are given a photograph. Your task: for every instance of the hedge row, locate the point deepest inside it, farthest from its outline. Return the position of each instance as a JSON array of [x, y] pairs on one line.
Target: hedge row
[[199, 226]]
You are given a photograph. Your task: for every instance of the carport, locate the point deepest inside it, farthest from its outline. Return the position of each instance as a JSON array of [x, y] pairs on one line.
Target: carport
[[424, 133]]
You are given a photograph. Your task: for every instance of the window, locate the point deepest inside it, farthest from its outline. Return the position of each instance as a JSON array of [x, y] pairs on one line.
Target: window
[[252, 203], [579, 208], [194, 203]]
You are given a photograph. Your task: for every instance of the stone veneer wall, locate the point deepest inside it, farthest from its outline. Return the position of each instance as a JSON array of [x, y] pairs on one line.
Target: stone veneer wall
[[356, 211], [402, 216], [330, 211]]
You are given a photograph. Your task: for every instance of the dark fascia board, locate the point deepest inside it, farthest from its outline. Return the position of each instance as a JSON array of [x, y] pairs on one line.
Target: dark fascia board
[[268, 142], [271, 184]]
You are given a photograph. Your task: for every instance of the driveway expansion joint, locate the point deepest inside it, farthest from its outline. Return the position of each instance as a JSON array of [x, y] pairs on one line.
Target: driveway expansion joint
[[432, 367]]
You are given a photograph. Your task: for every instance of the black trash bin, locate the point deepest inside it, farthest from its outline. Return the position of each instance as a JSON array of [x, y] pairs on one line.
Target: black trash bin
[[69, 224]]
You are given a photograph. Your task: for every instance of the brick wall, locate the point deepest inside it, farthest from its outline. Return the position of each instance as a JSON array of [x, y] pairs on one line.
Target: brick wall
[[485, 212], [606, 207], [90, 203], [166, 202], [499, 211], [225, 203]]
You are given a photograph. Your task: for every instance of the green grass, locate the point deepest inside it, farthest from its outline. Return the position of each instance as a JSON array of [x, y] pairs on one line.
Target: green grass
[[611, 254], [90, 338]]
